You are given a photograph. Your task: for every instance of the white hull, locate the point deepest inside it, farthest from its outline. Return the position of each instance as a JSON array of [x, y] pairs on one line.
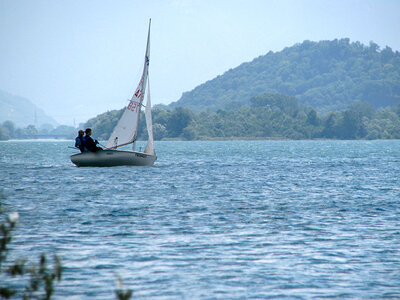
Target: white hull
[[111, 158]]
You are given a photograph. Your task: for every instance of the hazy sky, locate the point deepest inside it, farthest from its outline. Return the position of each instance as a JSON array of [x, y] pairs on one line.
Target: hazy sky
[[76, 59]]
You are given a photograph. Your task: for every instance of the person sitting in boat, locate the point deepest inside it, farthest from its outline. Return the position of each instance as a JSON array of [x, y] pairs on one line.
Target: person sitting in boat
[[79, 141], [90, 144]]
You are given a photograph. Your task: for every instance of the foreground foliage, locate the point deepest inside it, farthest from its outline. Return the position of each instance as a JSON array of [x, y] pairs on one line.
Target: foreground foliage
[[34, 281], [37, 279]]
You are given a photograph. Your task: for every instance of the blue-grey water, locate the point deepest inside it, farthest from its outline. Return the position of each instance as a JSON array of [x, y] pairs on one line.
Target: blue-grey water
[[214, 220]]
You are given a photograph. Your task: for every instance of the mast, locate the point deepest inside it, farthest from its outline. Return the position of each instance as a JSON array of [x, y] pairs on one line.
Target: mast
[[145, 79]]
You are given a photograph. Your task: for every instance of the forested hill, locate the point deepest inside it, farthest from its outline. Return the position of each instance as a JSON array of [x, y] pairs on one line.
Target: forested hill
[[327, 75]]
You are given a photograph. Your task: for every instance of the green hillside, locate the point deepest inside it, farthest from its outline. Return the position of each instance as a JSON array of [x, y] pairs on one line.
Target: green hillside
[[327, 75]]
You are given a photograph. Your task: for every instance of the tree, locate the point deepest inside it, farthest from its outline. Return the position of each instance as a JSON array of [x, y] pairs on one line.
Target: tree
[[10, 128], [312, 117], [4, 134], [30, 131], [159, 131], [329, 129], [363, 109], [350, 125], [178, 120], [285, 103]]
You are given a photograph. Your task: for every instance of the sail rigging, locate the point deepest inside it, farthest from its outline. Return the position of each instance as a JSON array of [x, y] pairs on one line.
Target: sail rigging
[[126, 130]]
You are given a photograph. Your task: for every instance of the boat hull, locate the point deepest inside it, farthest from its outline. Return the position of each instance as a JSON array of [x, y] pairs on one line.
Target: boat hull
[[112, 158]]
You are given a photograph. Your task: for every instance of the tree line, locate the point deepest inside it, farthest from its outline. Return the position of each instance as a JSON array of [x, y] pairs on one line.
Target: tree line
[[8, 130], [269, 116]]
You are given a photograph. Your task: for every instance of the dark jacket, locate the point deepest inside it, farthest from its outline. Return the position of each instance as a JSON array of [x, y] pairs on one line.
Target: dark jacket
[[90, 144], [79, 143]]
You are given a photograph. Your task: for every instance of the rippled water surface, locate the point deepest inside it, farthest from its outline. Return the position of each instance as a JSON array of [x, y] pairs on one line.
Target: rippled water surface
[[214, 220]]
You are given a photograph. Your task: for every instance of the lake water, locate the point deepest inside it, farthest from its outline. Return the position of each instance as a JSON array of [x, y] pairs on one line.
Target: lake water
[[214, 220]]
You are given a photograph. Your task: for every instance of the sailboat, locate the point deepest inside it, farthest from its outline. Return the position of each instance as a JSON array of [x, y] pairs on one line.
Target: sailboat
[[125, 132]]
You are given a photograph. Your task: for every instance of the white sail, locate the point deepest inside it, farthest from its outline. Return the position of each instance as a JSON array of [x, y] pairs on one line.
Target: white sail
[[149, 124], [126, 130]]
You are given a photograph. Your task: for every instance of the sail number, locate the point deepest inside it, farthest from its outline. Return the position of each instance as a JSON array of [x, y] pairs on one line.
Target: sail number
[[138, 93], [133, 106]]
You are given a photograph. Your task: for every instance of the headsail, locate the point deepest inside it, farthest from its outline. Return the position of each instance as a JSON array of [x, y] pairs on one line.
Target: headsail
[[126, 130]]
